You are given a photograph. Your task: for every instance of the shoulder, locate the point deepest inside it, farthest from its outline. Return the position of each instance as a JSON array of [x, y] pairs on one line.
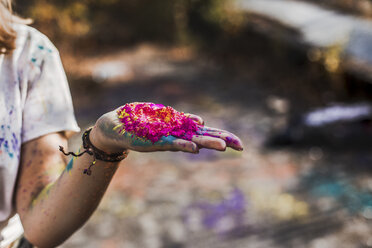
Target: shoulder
[[33, 49], [27, 37], [31, 46]]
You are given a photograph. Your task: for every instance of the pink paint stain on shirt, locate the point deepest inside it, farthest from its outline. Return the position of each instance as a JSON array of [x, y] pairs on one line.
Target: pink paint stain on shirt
[[153, 121]]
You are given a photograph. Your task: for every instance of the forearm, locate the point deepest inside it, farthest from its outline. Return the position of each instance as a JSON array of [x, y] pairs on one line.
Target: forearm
[[54, 199], [62, 207]]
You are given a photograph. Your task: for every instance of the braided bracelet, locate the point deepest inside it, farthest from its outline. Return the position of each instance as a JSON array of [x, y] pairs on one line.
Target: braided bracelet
[[97, 153]]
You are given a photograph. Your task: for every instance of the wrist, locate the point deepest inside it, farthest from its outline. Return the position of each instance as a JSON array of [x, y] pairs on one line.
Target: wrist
[[98, 150], [100, 141]]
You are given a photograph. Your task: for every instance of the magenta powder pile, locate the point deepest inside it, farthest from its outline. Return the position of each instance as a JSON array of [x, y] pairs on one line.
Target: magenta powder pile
[[153, 121]]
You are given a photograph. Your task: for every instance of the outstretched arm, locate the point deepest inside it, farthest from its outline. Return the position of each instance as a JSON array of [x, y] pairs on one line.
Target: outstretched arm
[[54, 199]]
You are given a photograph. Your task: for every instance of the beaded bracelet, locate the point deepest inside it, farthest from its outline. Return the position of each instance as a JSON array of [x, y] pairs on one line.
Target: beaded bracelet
[[97, 153]]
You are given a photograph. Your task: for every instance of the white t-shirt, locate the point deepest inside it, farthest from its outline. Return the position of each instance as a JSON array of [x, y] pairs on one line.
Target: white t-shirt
[[34, 100]]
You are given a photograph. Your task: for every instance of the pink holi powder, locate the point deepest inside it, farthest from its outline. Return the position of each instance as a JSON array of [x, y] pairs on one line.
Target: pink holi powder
[[153, 121]]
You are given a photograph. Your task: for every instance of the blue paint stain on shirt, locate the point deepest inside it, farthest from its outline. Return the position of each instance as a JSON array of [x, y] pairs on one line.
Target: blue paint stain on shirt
[[14, 142], [15, 138], [6, 146]]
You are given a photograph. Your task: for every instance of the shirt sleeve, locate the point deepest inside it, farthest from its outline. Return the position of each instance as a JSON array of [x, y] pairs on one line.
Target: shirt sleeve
[[48, 105]]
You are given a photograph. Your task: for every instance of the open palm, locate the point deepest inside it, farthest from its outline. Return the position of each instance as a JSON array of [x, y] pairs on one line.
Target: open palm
[[206, 137]]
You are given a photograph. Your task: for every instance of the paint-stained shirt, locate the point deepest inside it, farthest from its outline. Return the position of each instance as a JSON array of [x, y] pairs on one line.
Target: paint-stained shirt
[[34, 100]]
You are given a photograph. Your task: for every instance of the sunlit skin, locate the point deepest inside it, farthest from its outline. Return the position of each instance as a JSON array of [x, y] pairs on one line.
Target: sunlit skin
[[54, 198]]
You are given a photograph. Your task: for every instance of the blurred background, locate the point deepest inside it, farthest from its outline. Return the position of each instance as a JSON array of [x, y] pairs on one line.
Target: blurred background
[[291, 78]]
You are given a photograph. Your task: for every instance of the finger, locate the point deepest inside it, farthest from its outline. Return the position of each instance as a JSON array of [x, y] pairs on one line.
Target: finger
[[233, 142], [185, 146], [171, 143], [231, 139], [195, 118], [206, 128], [209, 142]]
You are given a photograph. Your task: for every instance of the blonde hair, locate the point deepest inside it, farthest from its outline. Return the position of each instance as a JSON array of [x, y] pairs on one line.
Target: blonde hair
[[7, 33]]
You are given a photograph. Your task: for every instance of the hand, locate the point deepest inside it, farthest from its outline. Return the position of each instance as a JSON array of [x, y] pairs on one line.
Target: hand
[[105, 137]]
